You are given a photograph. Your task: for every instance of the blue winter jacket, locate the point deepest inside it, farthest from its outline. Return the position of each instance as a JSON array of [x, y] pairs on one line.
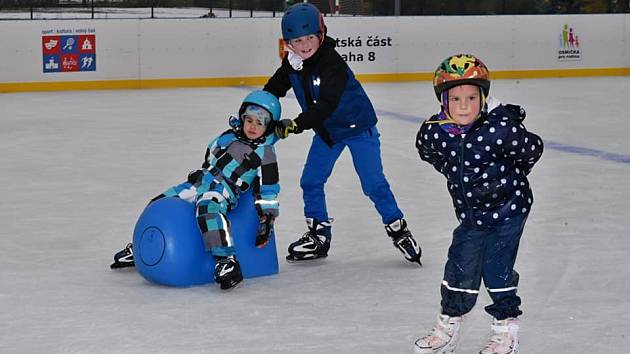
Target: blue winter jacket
[[333, 102], [486, 167]]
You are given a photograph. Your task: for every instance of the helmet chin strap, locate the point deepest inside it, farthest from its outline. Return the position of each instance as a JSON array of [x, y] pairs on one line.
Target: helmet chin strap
[[444, 101]]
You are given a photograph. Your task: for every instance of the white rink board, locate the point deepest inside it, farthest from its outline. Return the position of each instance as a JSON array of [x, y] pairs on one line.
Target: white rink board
[[150, 49]]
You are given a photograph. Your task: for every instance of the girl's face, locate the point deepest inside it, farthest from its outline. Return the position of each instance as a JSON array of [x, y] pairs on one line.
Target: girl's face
[[253, 128], [464, 103], [305, 46]]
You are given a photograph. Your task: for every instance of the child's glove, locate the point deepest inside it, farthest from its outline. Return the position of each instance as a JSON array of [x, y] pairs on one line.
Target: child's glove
[[265, 228], [195, 177], [517, 111], [284, 127], [295, 60]]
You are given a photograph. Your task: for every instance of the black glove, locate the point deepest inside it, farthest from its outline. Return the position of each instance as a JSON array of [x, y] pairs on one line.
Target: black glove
[[284, 127], [265, 228], [195, 177]]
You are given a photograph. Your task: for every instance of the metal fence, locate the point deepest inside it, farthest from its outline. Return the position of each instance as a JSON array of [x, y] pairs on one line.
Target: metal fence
[[72, 9], [480, 7]]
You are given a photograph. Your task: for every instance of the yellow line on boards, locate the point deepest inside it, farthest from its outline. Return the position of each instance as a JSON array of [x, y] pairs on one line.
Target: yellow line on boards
[[130, 84], [261, 80], [503, 74], [559, 73]]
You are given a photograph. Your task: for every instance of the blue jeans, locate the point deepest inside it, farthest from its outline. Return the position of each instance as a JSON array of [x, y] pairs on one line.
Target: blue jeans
[[365, 149], [483, 254]]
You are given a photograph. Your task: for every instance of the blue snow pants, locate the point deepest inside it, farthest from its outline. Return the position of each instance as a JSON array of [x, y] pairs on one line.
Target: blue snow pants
[[365, 149], [483, 254], [212, 202]]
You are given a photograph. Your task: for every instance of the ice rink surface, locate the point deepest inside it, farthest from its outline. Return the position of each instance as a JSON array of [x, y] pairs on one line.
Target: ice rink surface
[[79, 167]]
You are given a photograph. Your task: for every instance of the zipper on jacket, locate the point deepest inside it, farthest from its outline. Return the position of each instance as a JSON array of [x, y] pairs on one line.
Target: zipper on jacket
[[461, 177]]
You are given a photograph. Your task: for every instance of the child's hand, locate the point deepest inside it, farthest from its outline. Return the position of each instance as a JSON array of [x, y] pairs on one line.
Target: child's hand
[[195, 177], [265, 228], [284, 127]]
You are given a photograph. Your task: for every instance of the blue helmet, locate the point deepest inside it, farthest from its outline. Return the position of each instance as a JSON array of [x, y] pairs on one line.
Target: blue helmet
[[259, 98], [300, 20], [265, 100]]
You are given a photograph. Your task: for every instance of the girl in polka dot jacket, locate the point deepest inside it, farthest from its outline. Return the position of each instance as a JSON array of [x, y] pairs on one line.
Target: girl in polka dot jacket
[[485, 153]]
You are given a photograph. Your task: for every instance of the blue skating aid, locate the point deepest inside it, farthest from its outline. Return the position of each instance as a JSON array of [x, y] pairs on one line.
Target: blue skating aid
[[169, 250]]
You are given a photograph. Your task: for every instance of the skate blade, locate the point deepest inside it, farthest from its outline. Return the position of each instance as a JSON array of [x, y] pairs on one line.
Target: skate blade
[[292, 259], [428, 350], [120, 265], [228, 289]]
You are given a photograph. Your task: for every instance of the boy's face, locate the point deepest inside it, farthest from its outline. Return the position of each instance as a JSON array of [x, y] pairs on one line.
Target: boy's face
[[253, 128], [305, 46], [464, 103]]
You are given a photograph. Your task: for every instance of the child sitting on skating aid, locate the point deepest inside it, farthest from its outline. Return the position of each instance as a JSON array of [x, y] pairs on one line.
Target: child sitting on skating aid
[[239, 158], [485, 153]]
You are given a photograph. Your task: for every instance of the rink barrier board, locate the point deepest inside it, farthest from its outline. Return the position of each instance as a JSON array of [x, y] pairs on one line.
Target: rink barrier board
[[173, 53], [261, 80]]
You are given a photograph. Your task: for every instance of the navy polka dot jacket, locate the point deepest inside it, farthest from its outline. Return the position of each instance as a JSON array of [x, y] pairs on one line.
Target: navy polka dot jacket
[[486, 167]]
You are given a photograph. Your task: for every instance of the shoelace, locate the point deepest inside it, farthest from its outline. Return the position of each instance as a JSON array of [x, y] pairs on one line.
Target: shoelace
[[406, 244], [225, 263], [306, 236], [433, 340], [312, 236], [439, 332], [497, 338], [501, 335]]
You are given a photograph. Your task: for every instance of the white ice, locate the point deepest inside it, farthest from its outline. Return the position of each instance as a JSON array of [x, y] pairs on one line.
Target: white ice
[[77, 168]]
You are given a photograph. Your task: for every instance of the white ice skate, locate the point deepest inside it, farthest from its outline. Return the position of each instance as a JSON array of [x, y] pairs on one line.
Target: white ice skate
[[443, 337], [505, 337]]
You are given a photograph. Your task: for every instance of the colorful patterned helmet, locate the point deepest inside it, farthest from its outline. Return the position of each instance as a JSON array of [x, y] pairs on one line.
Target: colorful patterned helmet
[[458, 70], [300, 20]]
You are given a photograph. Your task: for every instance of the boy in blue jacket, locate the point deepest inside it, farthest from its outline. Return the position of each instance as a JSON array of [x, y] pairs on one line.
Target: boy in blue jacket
[[335, 106], [483, 149], [240, 158]]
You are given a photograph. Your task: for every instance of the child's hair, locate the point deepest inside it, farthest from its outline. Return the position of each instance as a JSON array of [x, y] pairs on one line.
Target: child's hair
[[300, 20], [461, 69]]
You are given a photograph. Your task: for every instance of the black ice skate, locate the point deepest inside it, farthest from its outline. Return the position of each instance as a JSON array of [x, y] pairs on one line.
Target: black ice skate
[[314, 244], [227, 272], [123, 258], [403, 240]]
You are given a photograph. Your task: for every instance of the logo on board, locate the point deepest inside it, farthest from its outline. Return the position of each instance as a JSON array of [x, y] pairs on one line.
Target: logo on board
[[68, 53], [569, 46]]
